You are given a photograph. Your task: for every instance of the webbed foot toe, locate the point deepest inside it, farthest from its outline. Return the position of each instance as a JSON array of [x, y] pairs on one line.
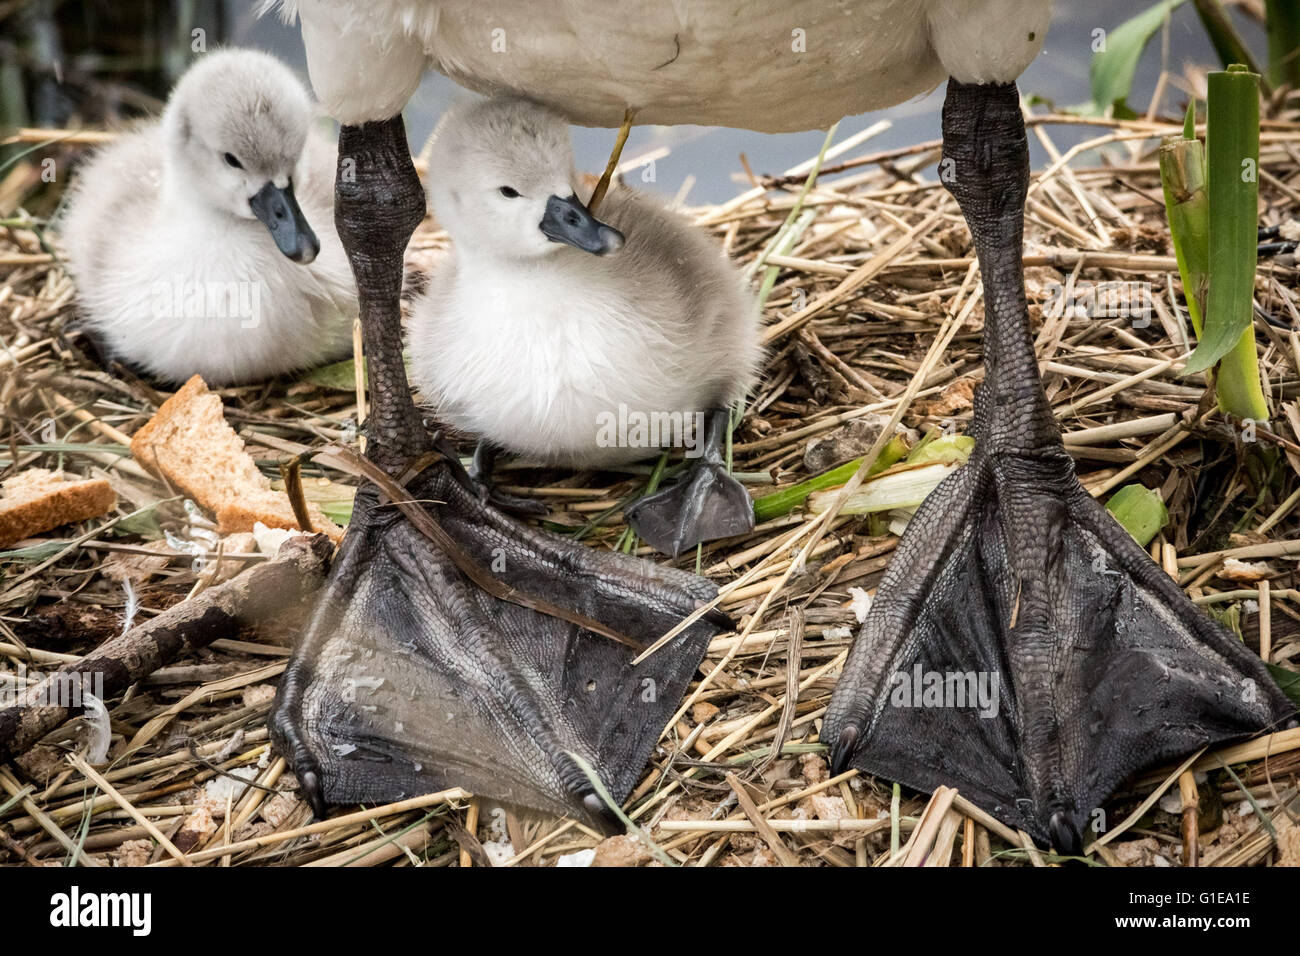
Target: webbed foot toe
[[480, 475], [705, 505], [514, 505]]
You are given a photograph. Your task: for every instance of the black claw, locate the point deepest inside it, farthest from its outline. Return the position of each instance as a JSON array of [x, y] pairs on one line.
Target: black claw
[[717, 617], [601, 814], [480, 474], [844, 748], [309, 783], [515, 505], [1066, 838]]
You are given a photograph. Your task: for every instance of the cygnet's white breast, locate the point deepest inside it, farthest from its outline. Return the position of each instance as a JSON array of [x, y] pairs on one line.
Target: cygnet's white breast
[[172, 284], [771, 65], [541, 356]]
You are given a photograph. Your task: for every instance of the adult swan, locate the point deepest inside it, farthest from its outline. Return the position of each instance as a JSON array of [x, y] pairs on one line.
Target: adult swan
[[1100, 672]]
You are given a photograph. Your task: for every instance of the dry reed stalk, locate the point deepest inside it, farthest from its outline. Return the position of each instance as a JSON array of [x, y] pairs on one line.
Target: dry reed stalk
[[875, 312]]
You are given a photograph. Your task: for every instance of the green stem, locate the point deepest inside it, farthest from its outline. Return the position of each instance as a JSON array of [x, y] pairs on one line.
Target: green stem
[[782, 502], [1227, 41], [1230, 175], [1187, 204], [1240, 391], [1282, 18]]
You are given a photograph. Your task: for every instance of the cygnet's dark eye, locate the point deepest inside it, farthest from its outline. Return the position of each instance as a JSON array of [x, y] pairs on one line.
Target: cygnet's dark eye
[[509, 192], [233, 160]]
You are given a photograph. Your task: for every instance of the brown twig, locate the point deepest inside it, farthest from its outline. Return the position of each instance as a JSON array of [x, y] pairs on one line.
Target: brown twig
[[298, 570]]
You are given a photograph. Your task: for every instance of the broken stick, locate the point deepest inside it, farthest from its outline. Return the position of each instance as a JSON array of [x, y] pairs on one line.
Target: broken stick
[[296, 571]]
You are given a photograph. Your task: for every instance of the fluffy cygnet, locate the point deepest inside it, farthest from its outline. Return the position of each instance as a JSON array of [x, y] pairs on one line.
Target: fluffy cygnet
[[576, 341], [204, 242]]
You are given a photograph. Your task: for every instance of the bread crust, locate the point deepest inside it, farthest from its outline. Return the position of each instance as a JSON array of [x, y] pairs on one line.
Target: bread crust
[[189, 444], [37, 500]]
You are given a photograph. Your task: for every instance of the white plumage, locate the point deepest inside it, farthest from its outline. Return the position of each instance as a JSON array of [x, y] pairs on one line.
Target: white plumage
[[535, 344], [174, 273], [769, 65]]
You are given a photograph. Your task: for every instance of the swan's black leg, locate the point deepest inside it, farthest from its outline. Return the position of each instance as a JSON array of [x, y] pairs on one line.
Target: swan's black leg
[[412, 678], [705, 504], [1022, 647], [480, 472], [378, 202]]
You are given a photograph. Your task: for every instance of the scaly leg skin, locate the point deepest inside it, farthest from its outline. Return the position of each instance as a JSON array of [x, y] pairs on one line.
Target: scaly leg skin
[[704, 505], [410, 678], [480, 472], [1013, 582]]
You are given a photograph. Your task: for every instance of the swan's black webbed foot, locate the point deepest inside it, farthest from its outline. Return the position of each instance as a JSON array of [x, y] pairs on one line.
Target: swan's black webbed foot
[[707, 503], [480, 472], [1022, 647], [1025, 650], [418, 673], [412, 679]]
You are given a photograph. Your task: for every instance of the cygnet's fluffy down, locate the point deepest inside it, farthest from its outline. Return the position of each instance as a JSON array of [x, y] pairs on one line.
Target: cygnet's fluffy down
[[540, 332], [204, 242]]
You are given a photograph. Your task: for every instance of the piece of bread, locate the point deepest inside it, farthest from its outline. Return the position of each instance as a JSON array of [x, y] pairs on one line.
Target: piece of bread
[[37, 500], [189, 444]]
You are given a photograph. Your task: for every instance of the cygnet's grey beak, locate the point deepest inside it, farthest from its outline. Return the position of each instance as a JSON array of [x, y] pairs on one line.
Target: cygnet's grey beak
[[567, 220], [282, 216]]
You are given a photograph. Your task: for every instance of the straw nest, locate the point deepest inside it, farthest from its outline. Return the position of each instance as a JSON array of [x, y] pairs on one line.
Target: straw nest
[[874, 315]]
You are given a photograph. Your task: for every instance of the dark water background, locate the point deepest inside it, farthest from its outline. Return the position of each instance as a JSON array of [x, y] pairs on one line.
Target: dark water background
[[97, 60]]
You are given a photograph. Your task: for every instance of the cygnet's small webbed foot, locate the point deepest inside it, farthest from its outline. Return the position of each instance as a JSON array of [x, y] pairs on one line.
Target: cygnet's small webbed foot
[[480, 472], [707, 503], [1022, 647]]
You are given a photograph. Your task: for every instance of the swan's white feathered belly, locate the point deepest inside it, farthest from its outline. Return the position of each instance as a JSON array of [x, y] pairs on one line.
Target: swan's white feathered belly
[[770, 65]]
